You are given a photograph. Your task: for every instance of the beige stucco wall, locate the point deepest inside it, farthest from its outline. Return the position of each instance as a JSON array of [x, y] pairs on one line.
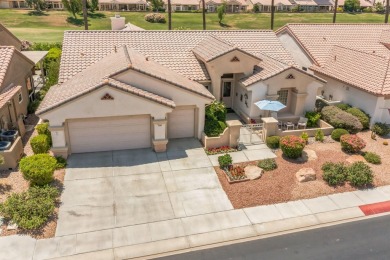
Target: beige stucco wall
[[304, 86], [180, 96], [6, 38], [223, 65], [373, 105]]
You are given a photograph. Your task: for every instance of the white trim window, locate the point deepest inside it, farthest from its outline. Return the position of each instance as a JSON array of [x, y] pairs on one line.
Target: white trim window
[[283, 96]]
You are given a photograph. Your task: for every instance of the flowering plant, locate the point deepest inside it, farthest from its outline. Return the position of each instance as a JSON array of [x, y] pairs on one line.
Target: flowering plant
[[236, 173], [222, 149], [292, 146], [352, 143]]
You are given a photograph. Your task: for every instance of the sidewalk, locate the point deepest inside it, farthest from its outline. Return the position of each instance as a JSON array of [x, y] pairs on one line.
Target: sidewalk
[[195, 231]]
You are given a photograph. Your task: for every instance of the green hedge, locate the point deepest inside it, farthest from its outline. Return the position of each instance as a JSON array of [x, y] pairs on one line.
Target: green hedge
[[312, 118], [341, 119], [40, 144], [273, 142], [361, 115], [38, 169], [215, 121], [337, 133], [32, 208], [224, 161], [381, 129]]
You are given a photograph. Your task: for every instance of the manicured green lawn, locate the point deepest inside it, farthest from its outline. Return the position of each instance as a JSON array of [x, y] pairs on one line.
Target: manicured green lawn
[[50, 26]]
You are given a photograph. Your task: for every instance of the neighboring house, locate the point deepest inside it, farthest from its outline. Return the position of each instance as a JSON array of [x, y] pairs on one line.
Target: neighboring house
[[324, 5], [280, 5], [51, 4], [363, 3], [183, 5], [139, 89], [306, 5], [232, 6], [123, 5], [352, 58]]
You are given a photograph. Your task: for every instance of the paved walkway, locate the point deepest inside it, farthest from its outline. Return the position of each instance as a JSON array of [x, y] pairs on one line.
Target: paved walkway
[[191, 232]]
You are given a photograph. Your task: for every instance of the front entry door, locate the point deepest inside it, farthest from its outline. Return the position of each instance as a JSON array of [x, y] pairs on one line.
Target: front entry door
[[227, 88]]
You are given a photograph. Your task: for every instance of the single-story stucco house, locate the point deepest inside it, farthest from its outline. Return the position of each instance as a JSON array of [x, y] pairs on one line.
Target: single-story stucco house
[[137, 89], [352, 58]]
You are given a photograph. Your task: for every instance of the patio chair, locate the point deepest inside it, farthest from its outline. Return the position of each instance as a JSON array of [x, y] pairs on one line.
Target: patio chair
[[302, 122]]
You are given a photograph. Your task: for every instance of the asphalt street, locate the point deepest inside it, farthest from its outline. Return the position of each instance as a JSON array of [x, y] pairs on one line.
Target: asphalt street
[[365, 239]]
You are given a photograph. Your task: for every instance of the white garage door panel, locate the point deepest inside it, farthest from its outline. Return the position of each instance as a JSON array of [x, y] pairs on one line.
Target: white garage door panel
[[109, 134], [181, 123]]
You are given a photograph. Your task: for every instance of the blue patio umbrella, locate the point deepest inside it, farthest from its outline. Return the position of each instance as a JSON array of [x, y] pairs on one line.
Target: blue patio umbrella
[[271, 105]]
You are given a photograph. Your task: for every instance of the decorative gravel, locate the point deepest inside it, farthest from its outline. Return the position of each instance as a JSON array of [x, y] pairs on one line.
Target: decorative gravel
[[280, 185], [13, 181]]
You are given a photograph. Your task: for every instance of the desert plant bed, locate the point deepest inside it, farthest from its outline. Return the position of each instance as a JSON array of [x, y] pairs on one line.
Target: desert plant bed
[[280, 185], [220, 150], [235, 173]]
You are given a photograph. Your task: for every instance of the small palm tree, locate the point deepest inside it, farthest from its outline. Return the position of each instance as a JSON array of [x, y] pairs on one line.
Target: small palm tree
[[204, 14], [169, 15], [272, 14], [336, 4]]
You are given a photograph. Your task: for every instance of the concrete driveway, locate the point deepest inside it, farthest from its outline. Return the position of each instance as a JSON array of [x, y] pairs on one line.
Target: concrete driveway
[[124, 188]]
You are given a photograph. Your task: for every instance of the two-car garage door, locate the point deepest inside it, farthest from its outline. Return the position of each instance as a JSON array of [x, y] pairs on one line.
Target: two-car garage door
[[111, 133]]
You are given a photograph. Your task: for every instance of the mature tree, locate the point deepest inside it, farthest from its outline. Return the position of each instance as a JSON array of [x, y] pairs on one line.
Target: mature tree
[[351, 5], [93, 5], [85, 14], [169, 15], [336, 4], [156, 4], [221, 10], [387, 12], [37, 5], [379, 7], [256, 8], [272, 14], [73, 6], [204, 14]]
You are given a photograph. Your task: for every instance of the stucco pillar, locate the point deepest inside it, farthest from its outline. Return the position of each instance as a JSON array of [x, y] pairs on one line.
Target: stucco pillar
[[59, 147], [234, 132], [300, 99], [160, 139], [270, 127]]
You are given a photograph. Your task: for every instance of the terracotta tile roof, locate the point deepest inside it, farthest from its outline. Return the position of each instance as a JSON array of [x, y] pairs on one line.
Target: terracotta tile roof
[[101, 73], [172, 49], [270, 67], [7, 94], [365, 71], [319, 39], [6, 53], [213, 47]]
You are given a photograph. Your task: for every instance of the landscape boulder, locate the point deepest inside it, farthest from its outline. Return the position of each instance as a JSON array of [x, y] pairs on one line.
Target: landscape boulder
[[253, 172], [306, 174]]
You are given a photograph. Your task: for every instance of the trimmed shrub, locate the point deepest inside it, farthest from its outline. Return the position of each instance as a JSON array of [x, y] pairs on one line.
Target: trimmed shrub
[[319, 135], [334, 173], [343, 106], [38, 169], [381, 129], [372, 158], [360, 174], [341, 119], [268, 164], [215, 119], [292, 146], [224, 161], [40, 144], [155, 18], [361, 115], [352, 143], [32, 208], [312, 118], [61, 162], [305, 136], [273, 142], [320, 104], [337, 133], [43, 129]]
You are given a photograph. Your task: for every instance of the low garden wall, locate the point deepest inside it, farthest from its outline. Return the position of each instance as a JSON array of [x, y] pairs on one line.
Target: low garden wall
[[13, 155], [322, 125], [229, 137]]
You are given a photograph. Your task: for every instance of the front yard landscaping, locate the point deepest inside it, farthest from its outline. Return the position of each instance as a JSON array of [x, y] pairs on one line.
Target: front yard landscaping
[[281, 184]]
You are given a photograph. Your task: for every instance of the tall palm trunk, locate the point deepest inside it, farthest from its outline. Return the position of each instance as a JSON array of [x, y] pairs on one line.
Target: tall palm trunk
[[272, 14], [169, 15], [85, 15], [387, 12], [336, 3], [204, 14]]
